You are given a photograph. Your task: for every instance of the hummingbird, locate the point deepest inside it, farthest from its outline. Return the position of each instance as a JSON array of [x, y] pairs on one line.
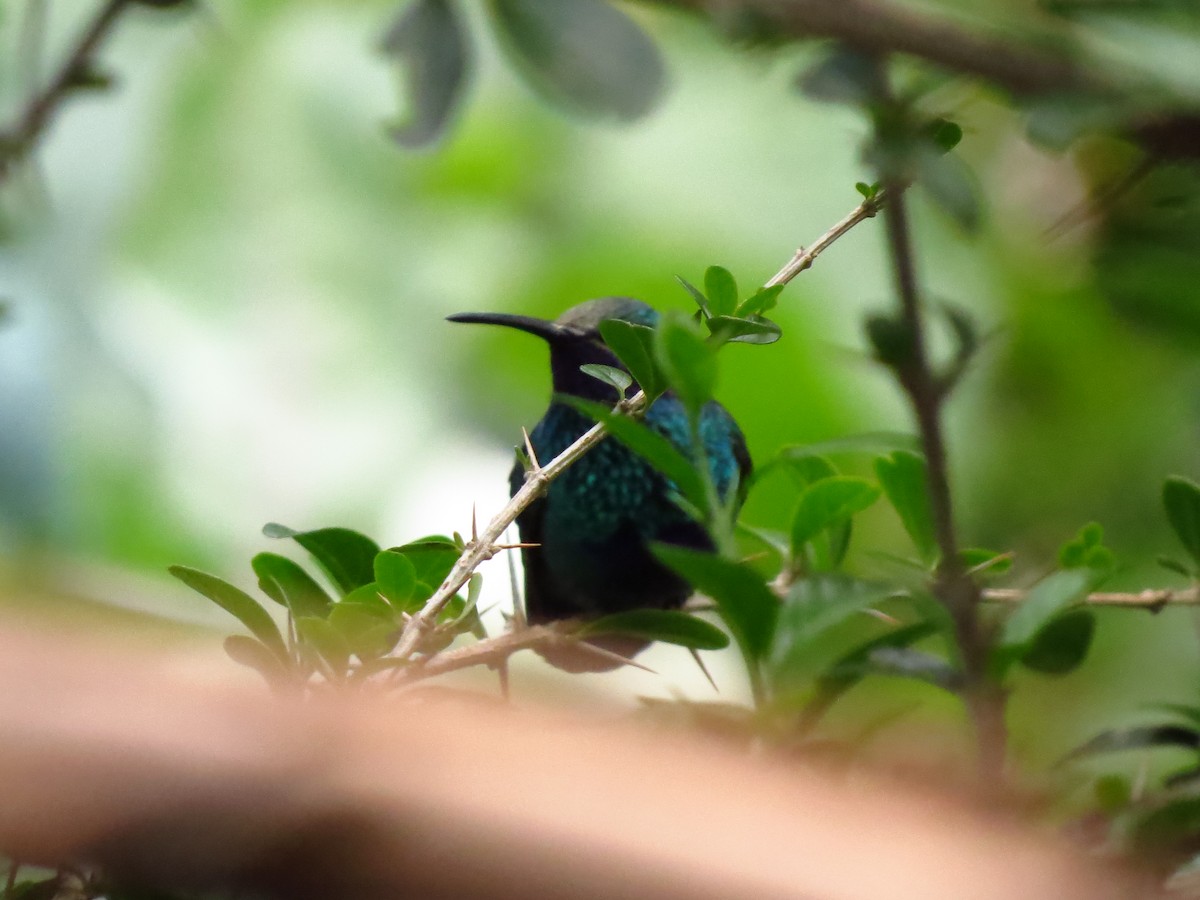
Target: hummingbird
[[590, 533]]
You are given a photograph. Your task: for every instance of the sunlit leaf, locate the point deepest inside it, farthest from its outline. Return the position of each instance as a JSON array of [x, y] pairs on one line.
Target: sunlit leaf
[[395, 577], [432, 558], [721, 290], [237, 603], [346, 556], [285, 582]]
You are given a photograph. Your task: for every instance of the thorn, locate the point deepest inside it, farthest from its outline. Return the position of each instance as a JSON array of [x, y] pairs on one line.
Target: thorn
[[534, 465], [582, 644], [988, 563], [881, 616], [522, 546], [474, 527], [703, 668]]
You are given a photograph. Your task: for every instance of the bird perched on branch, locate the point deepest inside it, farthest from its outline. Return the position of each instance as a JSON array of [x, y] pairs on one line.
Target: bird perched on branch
[[593, 527]]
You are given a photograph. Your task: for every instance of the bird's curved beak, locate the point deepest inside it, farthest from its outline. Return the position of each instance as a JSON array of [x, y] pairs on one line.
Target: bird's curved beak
[[543, 328]]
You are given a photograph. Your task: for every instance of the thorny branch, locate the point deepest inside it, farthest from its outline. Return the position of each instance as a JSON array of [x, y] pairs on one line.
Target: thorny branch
[[484, 546]]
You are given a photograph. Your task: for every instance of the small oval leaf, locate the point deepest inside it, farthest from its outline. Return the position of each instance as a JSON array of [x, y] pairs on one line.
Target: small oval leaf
[[585, 55], [237, 603], [1181, 498]]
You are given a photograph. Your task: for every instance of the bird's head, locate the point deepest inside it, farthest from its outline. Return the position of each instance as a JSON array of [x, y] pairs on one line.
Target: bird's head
[[574, 339]]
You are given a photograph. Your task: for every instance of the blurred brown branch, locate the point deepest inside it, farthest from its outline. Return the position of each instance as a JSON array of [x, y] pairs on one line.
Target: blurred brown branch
[[168, 769], [1150, 598], [883, 27], [18, 139]]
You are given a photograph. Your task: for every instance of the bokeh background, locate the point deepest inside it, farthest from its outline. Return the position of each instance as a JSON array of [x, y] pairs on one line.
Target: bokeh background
[[226, 289]]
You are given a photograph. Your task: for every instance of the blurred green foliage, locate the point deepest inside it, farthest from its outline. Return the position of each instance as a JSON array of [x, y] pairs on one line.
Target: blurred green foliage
[[225, 285]]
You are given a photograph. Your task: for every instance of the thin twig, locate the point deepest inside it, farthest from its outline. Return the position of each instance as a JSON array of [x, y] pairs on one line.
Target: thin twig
[[1151, 598], [18, 139], [806, 256]]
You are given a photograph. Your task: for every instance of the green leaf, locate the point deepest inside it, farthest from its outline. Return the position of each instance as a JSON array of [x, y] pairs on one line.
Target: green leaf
[[868, 442], [868, 191], [666, 626], [697, 294], [619, 380], [904, 479], [843, 75], [650, 445], [634, 346], [367, 599], [1062, 645], [585, 55], [367, 634], [432, 558], [1174, 565], [430, 40], [944, 134], [237, 603], [1190, 714], [1113, 793], [814, 606], [826, 503], [721, 290], [688, 361], [745, 603], [809, 469], [892, 339], [285, 582], [395, 578], [854, 666], [763, 300], [258, 656], [326, 640], [1139, 737], [951, 186], [905, 662], [1171, 827], [1048, 598], [752, 330], [979, 561], [1181, 498], [346, 556]]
